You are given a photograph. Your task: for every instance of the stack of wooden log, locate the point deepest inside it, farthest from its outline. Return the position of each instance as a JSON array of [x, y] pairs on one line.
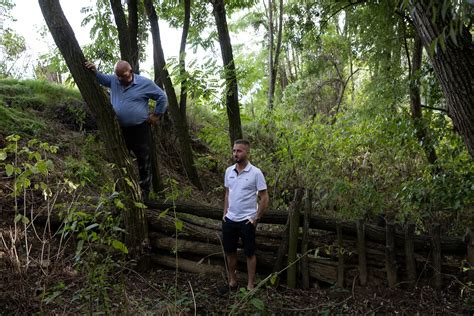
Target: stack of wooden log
[[322, 249]]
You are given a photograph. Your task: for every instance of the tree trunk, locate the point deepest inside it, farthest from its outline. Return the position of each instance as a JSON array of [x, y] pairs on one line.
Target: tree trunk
[[453, 65], [180, 123], [123, 33], [133, 35], [415, 102], [182, 58], [231, 91], [63, 35], [274, 58]]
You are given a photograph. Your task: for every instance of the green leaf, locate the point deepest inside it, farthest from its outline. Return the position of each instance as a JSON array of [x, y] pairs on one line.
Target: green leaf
[[129, 182], [119, 204], [163, 214], [179, 225], [119, 246], [92, 226], [273, 278], [9, 169], [25, 220], [258, 303], [140, 205], [3, 155], [17, 218]]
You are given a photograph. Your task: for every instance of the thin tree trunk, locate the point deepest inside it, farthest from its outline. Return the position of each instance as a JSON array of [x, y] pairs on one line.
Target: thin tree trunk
[[63, 35], [182, 58], [133, 34], [180, 123], [275, 60], [415, 102], [122, 29], [231, 91], [453, 65], [270, 54]]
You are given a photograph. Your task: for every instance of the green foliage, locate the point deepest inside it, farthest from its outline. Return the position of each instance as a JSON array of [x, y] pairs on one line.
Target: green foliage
[[13, 46]]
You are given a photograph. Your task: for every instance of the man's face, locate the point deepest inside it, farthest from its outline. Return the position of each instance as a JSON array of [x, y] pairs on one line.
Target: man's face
[[124, 76], [240, 152]]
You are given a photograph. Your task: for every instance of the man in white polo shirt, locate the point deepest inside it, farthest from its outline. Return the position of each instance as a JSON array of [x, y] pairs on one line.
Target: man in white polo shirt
[[243, 184]]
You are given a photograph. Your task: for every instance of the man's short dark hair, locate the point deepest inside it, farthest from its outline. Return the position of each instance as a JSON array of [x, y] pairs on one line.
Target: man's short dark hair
[[242, 141]]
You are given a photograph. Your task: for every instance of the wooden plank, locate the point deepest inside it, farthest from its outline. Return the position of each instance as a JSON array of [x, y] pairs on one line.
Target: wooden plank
[[293, 238], [304, 240], [361, 252], [340, 264], [390, 260], [436, 233], [410, 261]]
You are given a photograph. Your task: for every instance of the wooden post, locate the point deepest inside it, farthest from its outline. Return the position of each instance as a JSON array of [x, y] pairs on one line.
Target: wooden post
[[293, 240], [340, 263], [304, 241], [410, 253], [436, 240], [390, 260], [470, 253], [362, 253]]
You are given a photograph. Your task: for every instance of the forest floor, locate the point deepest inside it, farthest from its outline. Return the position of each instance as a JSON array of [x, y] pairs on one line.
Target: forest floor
[[110, 288]]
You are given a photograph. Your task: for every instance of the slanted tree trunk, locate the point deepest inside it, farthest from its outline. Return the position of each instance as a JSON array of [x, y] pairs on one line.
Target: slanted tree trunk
[[182, 57], [63, 35], [415, 102], [454, 66], [231, 91], [180, 123]]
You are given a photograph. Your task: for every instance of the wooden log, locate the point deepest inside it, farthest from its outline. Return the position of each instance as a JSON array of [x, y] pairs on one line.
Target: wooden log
[[410, 261], [390, 260], [304, 240], [436, 232], [340, 264], [470, 253], [361, 252], [294, 231], [449, 245], [265, 259], [187, 265], [323, 270]]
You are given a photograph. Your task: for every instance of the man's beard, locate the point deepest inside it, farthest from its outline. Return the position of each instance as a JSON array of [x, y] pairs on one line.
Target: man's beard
[[237, 160]]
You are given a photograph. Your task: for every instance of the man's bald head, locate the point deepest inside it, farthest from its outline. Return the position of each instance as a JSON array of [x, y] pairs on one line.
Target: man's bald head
[[123, 70]]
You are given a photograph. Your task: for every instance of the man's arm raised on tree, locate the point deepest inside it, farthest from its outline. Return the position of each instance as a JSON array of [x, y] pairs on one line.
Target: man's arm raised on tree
[[262, 206], [103, 79]]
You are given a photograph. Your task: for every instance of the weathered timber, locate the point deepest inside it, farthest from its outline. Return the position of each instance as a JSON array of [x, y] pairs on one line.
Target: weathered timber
[[304, 239], [470, 253], [294, 217], [340, 256], [410, 261], [187, 265], [436, 253], [361, 252], [390, 259], [449, 245]]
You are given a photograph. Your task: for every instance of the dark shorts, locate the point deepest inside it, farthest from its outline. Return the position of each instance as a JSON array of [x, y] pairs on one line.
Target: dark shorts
[[232, 231]]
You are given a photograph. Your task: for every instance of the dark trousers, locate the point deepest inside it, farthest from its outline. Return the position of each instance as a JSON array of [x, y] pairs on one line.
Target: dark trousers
[[138, 139]]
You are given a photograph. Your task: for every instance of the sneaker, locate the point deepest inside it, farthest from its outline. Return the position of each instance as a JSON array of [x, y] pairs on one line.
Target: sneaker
[[223, 290]]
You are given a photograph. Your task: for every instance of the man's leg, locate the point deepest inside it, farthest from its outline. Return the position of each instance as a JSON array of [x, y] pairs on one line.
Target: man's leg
[[251, 267], [232, 266], [141, 149], [248, 239]]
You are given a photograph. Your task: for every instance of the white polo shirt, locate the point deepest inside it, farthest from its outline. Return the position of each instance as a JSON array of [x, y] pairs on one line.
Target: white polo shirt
[[243, 191]]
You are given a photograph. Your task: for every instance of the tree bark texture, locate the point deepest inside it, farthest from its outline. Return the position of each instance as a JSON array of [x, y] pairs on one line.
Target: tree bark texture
[[125, 44], [274, 52], [182, 58], [231, 91], [390, 256], [361, 251], [94, 96], [293, 240], [415, 102], [410, 261], [133, 35], [454, 67], [180, 122]]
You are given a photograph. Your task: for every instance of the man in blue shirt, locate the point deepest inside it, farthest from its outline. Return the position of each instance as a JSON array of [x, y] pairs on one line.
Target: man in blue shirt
[[129, 95]]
